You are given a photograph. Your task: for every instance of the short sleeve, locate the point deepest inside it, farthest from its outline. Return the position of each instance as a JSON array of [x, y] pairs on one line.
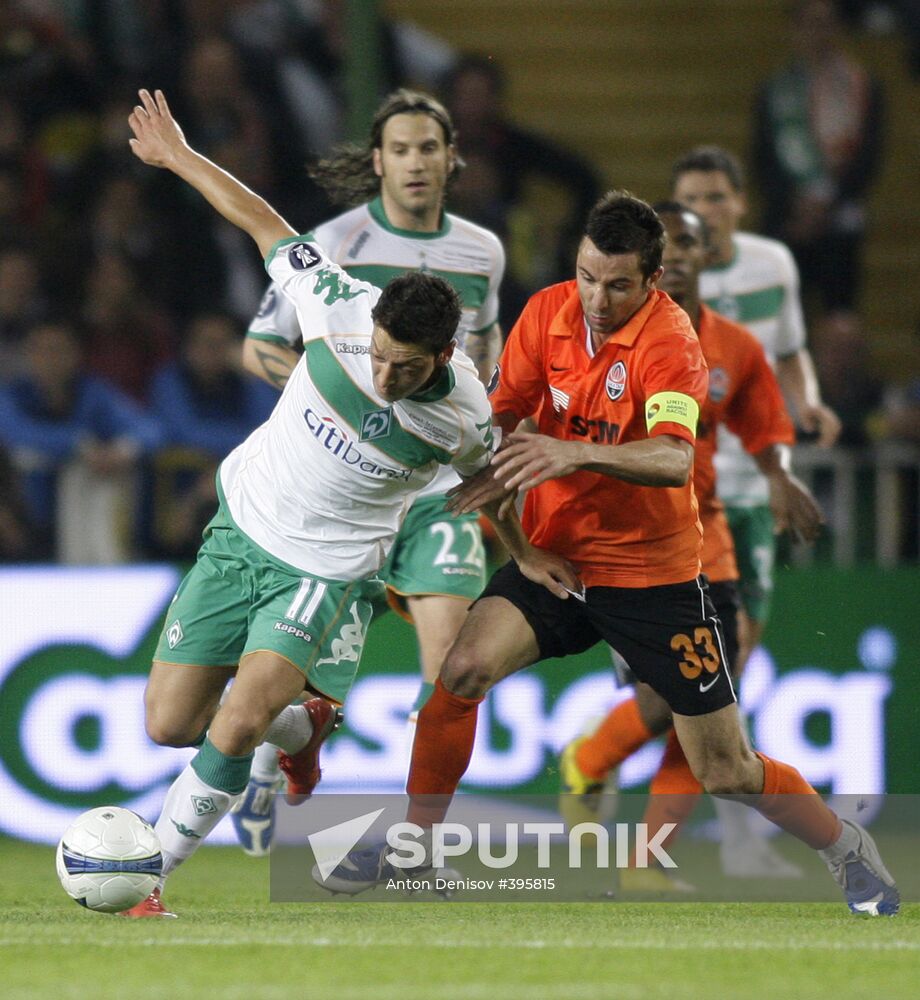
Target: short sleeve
[[675, 380], [326, 298], [518, 383], [757, 413]]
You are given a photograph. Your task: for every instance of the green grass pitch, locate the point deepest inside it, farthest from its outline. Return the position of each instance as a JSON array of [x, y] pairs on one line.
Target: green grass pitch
[[231, 943]]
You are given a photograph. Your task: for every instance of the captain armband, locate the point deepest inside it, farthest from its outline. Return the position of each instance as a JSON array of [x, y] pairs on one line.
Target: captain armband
[[672, 408]]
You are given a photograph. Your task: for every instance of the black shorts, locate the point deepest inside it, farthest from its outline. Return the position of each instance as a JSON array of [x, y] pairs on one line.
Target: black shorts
[[670, 635], [726, 599]]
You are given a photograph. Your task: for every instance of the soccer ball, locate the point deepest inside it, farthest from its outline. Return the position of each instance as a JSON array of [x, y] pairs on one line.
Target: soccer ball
[[109, 859]]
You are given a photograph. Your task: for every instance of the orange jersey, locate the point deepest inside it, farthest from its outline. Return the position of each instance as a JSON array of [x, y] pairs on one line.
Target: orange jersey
[[649, 378], [745, 396]]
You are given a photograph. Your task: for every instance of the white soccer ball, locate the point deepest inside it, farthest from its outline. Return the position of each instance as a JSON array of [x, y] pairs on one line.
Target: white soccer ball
[[109, 859]]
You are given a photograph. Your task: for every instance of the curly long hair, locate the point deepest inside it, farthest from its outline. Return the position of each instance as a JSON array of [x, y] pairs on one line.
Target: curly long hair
[[347, 174]]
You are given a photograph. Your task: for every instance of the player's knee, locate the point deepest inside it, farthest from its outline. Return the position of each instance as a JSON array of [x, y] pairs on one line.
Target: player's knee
[[242, 726], [726, 774], [169, 732], [467, 672]]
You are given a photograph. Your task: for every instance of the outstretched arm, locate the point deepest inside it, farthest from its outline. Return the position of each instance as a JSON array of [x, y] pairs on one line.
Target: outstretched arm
[[159, 141]]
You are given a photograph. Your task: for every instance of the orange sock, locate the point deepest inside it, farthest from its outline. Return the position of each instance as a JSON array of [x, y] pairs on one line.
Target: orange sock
[[441, 754], [794, 806], [619, 736], [674, 792]]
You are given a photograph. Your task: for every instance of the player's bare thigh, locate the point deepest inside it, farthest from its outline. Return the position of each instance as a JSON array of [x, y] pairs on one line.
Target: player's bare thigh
[[494, 642], [265, 683], [718, 752], [438, 619], [180, 700]]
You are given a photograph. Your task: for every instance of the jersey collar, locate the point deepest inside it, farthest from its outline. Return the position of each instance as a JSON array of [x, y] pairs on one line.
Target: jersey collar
[[570, 320], [439, 390], [379, 216]]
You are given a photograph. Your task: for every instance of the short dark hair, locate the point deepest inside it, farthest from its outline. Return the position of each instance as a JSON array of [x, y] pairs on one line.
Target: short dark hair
[[672, 207], [709, 159], [621, 223], [347, 173], [419, 308]]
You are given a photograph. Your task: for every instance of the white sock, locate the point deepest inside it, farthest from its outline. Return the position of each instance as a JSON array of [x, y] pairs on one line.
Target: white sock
[[265, 764], [847, 841], [290, 730], [191, 806]]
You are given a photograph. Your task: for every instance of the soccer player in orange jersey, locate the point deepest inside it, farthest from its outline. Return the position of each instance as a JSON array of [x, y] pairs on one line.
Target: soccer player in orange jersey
[[615, 373], [743, 395]]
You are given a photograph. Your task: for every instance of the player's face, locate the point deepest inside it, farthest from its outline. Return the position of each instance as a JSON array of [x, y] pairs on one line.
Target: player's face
[[685, 255], [413, 164], [611, 287], [400, 369], [710, 194]]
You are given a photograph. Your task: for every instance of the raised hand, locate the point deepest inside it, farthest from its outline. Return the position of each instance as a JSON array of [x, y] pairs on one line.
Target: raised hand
[[158, 139]]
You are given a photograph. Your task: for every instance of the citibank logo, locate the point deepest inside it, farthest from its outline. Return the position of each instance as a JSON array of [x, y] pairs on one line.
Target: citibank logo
[[337, 442]]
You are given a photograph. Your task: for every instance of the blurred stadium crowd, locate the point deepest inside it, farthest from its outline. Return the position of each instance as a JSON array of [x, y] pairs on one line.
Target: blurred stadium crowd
[[123, 299]]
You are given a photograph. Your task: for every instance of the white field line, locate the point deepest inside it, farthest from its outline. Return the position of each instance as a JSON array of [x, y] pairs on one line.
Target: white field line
[[304, 940]]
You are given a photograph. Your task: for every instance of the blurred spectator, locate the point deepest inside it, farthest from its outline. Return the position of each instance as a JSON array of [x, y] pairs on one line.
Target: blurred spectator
[[128, 333], [849, 386], [474, 91], [76, 441], [206, 406], [16, 543], [23, 172], [301, 50], [204, 400], [22, 302], [817, 144]]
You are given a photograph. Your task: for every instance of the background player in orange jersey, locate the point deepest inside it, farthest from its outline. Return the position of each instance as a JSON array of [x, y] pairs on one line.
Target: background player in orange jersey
[[745, 396], [615, 372]]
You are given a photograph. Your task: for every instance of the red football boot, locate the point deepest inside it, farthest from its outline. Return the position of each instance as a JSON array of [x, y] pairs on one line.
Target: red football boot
[[152, 906], [302, 768]]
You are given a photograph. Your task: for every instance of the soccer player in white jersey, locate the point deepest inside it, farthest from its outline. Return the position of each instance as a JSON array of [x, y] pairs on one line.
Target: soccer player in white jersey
[[396, 185], [310, 504], [753, 280]]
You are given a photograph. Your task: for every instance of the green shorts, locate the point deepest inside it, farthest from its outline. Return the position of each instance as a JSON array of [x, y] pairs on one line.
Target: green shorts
[[755, 550], [435, 553], [237, 599]]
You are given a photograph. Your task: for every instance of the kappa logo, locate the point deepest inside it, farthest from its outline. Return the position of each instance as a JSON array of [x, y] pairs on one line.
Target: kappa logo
[[347, 646], [174, 634], [494, 379], [303, 256], [376, 424], [203, 805], [616, 381], [718, 384]]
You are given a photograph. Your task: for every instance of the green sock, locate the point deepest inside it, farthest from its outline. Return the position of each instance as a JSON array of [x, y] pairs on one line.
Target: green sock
[[229, 774]]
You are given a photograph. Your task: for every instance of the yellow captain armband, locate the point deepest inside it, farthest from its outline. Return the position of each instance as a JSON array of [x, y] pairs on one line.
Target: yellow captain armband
[[672, 408]]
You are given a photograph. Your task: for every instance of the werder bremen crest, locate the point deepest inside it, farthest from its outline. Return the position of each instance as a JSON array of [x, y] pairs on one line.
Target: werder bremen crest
[[376, 424]]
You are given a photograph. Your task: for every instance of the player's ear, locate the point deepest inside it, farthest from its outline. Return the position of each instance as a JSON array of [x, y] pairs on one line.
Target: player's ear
[[451, 159], [377, 161], [446, 354], [655, 277]]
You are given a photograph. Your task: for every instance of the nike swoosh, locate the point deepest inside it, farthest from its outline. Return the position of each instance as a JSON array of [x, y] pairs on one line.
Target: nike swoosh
[[554, 368], [705, 687]]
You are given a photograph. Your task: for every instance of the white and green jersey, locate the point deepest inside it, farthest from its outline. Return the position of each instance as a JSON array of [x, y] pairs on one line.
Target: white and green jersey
[[362, 241], [758, 288], [324, 484]]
